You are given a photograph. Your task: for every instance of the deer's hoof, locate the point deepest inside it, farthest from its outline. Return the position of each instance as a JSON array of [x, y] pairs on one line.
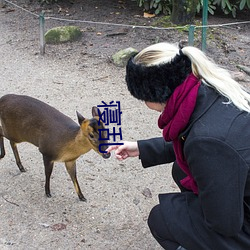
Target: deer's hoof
[[48, 195], [82, 198]]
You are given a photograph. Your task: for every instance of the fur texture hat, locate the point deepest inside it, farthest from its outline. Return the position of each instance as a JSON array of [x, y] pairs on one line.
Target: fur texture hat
[[156, 83]]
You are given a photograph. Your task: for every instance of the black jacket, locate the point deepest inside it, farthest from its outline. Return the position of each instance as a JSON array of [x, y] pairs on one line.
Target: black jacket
[[216, 145]]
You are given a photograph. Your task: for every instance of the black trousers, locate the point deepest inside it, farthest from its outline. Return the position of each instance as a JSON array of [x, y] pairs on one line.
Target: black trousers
[[156, 222]]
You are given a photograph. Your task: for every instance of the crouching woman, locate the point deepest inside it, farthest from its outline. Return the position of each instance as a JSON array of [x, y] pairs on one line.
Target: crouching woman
[[205, 121]]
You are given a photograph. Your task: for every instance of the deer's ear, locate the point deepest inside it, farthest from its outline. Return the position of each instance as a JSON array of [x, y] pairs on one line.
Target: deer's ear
[[80, 118], [95, 111]]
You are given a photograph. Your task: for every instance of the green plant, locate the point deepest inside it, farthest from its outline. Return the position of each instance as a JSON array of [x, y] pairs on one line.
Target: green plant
[[227, 7], [165, 6], [158, 6], [211, 7], [244, 3]]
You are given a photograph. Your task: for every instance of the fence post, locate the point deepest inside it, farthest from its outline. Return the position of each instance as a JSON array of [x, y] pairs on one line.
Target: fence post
[[2, 3], [204, 24], [42, 31], [191, 35]]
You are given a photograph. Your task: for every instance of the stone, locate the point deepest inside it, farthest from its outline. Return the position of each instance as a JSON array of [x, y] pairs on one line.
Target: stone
[[63, 34], [121, 58]]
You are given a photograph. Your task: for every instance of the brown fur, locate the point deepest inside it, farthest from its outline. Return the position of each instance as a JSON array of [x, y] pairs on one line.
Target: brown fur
[[59, 138]]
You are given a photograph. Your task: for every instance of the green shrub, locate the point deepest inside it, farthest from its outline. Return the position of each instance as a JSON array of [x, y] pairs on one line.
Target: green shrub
[[165, 6], [211, 7], [232, 6], [157, 6]]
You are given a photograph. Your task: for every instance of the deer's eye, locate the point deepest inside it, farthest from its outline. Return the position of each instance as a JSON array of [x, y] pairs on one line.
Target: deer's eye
[[91, 136]]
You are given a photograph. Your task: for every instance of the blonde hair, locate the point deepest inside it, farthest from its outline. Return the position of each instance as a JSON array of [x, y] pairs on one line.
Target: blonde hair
[[202, 67]]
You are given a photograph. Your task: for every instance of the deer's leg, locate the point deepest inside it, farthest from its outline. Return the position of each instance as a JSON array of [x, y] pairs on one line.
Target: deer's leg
[[48, 165], [71, 168], [1, 144], [18, 161]]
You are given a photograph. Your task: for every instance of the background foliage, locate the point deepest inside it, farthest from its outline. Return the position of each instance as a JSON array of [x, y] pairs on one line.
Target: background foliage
[[165, 6], [227, 6]]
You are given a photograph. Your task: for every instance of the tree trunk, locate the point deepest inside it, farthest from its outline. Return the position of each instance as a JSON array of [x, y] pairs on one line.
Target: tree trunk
[[183, 11], [2, 3]]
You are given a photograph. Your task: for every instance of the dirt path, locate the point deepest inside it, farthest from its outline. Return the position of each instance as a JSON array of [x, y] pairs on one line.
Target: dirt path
[[115, 215], [74, 77]]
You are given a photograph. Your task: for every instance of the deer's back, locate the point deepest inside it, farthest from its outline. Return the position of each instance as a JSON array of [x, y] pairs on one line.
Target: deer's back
[[24, 118]]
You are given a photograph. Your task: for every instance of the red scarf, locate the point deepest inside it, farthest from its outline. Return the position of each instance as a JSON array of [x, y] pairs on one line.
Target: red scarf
[[174, 119]]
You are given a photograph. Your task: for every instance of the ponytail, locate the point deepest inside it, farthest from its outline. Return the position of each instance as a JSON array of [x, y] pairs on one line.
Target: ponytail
[[218, 78]]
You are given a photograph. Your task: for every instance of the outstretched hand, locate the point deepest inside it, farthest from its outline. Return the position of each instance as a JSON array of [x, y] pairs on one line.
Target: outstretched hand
[[128, 149]]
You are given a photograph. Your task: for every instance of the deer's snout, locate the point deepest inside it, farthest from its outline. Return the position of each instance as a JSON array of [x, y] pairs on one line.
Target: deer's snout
[[106, 155]]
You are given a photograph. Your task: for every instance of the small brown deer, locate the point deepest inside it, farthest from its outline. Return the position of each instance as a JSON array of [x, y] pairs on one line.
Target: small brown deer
[[59, 138]]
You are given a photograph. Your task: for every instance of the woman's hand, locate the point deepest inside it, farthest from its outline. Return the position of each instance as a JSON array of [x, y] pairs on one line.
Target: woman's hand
[[128, 149]]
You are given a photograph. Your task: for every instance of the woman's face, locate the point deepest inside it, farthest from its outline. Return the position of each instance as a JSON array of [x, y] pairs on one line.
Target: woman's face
[[156, 106]]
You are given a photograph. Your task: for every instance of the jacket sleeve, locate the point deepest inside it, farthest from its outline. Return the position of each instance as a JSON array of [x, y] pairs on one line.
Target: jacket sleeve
[[155, 151], [220, 173]]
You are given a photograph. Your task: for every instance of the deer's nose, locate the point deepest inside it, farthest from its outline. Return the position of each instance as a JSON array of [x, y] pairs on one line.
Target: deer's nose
[[106, 155]]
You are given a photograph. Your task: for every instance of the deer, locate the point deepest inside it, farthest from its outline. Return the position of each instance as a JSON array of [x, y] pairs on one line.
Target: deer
[[58, 138]]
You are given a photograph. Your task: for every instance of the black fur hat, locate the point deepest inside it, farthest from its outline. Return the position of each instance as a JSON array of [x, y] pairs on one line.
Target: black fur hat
[[156, 83]]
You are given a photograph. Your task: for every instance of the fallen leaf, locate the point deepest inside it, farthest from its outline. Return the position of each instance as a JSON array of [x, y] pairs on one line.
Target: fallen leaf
[[58, 227], [147, 15], [147, 193]]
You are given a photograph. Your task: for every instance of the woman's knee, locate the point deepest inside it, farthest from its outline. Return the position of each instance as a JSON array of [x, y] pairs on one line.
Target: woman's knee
[[153, 218], [159, 229]]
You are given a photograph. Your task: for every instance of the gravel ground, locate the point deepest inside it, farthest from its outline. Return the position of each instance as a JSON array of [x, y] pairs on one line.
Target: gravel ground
[[77, 76]]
